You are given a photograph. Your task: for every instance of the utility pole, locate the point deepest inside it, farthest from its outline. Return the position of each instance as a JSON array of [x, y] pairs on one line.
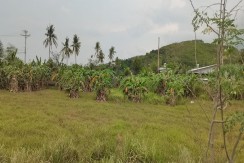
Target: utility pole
[[26, 35], [196, 49], [158, 52]]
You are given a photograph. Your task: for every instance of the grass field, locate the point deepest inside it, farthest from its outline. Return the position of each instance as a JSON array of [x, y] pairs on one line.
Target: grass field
[[47, 126]]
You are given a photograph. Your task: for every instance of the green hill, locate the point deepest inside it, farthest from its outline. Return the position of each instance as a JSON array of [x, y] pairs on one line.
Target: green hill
[[178, 54]]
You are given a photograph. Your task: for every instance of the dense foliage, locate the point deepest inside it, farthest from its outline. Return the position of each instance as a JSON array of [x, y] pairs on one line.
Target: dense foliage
[[180, 56], [232, 82], [17, 76], [172, 85]]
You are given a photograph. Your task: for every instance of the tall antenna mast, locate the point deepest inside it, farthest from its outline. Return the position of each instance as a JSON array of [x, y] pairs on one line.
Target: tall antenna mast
[[26, 35]]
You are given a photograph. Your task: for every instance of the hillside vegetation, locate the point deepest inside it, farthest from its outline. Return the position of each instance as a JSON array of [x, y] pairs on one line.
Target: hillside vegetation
[[180, 54]]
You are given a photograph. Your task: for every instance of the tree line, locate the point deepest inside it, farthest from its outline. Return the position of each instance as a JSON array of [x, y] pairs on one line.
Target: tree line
[[74, 48]]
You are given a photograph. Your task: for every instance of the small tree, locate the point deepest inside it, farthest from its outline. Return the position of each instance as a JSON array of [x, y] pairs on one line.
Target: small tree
[[222, 24], [137, 65]]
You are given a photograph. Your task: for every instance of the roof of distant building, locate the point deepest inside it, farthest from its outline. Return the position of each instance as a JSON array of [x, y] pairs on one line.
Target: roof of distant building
[[203, 70]]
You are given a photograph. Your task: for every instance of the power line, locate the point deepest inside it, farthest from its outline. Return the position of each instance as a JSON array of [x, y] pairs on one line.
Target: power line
[[26, 35], [9, 35]]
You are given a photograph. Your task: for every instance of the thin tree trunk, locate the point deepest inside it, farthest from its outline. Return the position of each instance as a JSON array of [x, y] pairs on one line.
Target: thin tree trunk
[[235, 147], [221, 61], [224, 135], [49, 51], [75, 59], [211, 136], [241, 57]]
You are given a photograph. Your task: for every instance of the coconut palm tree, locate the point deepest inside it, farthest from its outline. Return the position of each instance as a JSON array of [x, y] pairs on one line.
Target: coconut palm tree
[[97, 49], [100, 56], [76, 46], [51, 38], [111, 54], [66, 50]]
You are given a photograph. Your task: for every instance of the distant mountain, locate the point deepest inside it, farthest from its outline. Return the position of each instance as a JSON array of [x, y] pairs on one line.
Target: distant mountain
[[179, 54]]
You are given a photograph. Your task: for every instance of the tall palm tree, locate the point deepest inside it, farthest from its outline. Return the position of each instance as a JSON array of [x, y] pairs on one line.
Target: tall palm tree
[[76, 46], [66, 50], [97, 49], [100, 56], [51, 38], [111, 54]]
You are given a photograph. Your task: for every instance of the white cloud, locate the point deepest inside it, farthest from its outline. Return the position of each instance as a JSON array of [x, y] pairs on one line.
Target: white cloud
[[118, 29], [144, 4], [165, 29], [106, 29], [65, 10], [177, 4], [132, 26]]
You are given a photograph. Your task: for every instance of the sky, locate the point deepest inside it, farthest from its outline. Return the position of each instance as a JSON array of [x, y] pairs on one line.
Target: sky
[[131, 26]]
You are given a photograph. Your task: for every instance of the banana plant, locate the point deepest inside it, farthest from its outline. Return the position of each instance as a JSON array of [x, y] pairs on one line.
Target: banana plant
[[89, 76], [102, 82], [10, 75], [157, 83], [134, 88], [175, 90], [72, 81]]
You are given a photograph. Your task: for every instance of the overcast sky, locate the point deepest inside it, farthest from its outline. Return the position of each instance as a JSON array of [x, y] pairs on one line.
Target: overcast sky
[[131, 26]]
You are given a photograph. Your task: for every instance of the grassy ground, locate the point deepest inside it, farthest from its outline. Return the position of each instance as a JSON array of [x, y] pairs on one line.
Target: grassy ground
[[48, 126]]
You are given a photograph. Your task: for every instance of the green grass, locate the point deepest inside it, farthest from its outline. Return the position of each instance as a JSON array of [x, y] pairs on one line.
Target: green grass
[[48, 126]]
